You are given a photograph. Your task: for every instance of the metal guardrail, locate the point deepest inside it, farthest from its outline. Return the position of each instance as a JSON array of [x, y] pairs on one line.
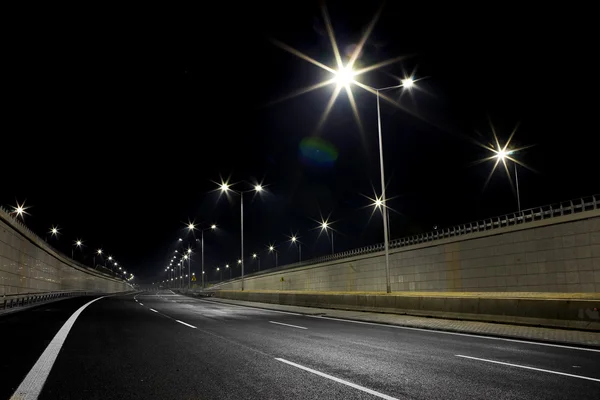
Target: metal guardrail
[[20, 300], [7, 215], [525, 216]]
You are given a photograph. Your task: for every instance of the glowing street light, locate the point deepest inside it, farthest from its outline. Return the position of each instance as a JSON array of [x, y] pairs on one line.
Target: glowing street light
[[326, 226], [226, 188], [294, 240], [344, 76], [54, 231], [78, 243], [273, 250], [256, 257], [212, 227], [19, 210]]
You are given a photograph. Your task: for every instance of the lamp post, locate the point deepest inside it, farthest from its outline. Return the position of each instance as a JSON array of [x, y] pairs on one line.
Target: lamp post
[[185, 257], [295, 241], [98, 252], [503, 155], [225, 188], [189, 268], [273, 250], [220, 274], [325, 227], [78, 243], [344, 77], [227, 267], [212, 227], [256, 256], [406, 83]]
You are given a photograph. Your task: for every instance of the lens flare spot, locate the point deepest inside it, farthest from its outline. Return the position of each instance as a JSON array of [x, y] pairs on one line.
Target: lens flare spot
[[318, 152]]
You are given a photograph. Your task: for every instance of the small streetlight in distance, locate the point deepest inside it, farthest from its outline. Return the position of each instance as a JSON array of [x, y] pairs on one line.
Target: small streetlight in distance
[[189, 251], [180, 239], [256, 257], [325, 225], [78, 243], [99, 253], [19, 210], [257, 188], [294, 240], [273, 250], [54, 231]]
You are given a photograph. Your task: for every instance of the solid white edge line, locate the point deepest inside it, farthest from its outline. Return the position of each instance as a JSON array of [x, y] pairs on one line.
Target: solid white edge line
[[333, 378], [33, 383], [293, 326], [252, 307], [433, 330], [531, 368], [181, 322], [152, 309]]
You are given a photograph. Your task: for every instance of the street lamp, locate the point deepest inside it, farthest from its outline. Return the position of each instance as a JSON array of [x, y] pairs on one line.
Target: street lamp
[[54, 231], [227, 267], [212, 227], [220, 273], [294, 240], [78, 243], [255, 256], [186, 257], [226, 188], [325, 226], [273, 250], [503, 155], [98, 252]]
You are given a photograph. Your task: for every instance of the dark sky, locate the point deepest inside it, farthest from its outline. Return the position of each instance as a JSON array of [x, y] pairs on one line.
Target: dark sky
[[116, 122]]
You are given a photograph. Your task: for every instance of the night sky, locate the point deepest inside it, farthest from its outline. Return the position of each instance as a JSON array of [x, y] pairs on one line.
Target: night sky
[[117, 124]]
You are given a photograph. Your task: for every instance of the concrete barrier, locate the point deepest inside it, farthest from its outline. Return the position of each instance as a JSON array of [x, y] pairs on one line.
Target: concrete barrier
[[29, 266], [558, 310], [560, 254]]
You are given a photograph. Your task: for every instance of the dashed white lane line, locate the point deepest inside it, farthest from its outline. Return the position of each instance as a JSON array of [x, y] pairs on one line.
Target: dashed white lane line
[[293, 326], [152, 309], [33, 383], [333, 378], [531, 368], [181, 322], [140, 304]]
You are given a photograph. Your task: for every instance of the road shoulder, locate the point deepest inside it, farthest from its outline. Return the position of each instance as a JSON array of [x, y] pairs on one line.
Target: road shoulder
[[519, 332]]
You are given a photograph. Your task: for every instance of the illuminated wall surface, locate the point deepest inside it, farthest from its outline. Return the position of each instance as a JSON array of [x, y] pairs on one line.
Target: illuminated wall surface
[[28, 265], [556, 255]]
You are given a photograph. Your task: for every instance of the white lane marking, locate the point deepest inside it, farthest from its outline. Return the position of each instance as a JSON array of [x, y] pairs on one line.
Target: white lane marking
[[333, 378], [140, 304], [152, 309], [433, 330], [531, 368], [293, 326], [181, 322], [33, 383], [254, 308]]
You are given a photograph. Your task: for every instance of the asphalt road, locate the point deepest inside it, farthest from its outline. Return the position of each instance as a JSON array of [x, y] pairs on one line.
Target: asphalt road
[[166, 346]]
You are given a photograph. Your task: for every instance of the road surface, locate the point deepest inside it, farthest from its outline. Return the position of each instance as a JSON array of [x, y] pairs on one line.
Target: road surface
[[167, 346]]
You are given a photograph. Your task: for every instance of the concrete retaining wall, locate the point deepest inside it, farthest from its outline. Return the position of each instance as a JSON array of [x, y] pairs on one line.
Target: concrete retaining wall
[[29, 265], [561, 254], [554, 312]]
